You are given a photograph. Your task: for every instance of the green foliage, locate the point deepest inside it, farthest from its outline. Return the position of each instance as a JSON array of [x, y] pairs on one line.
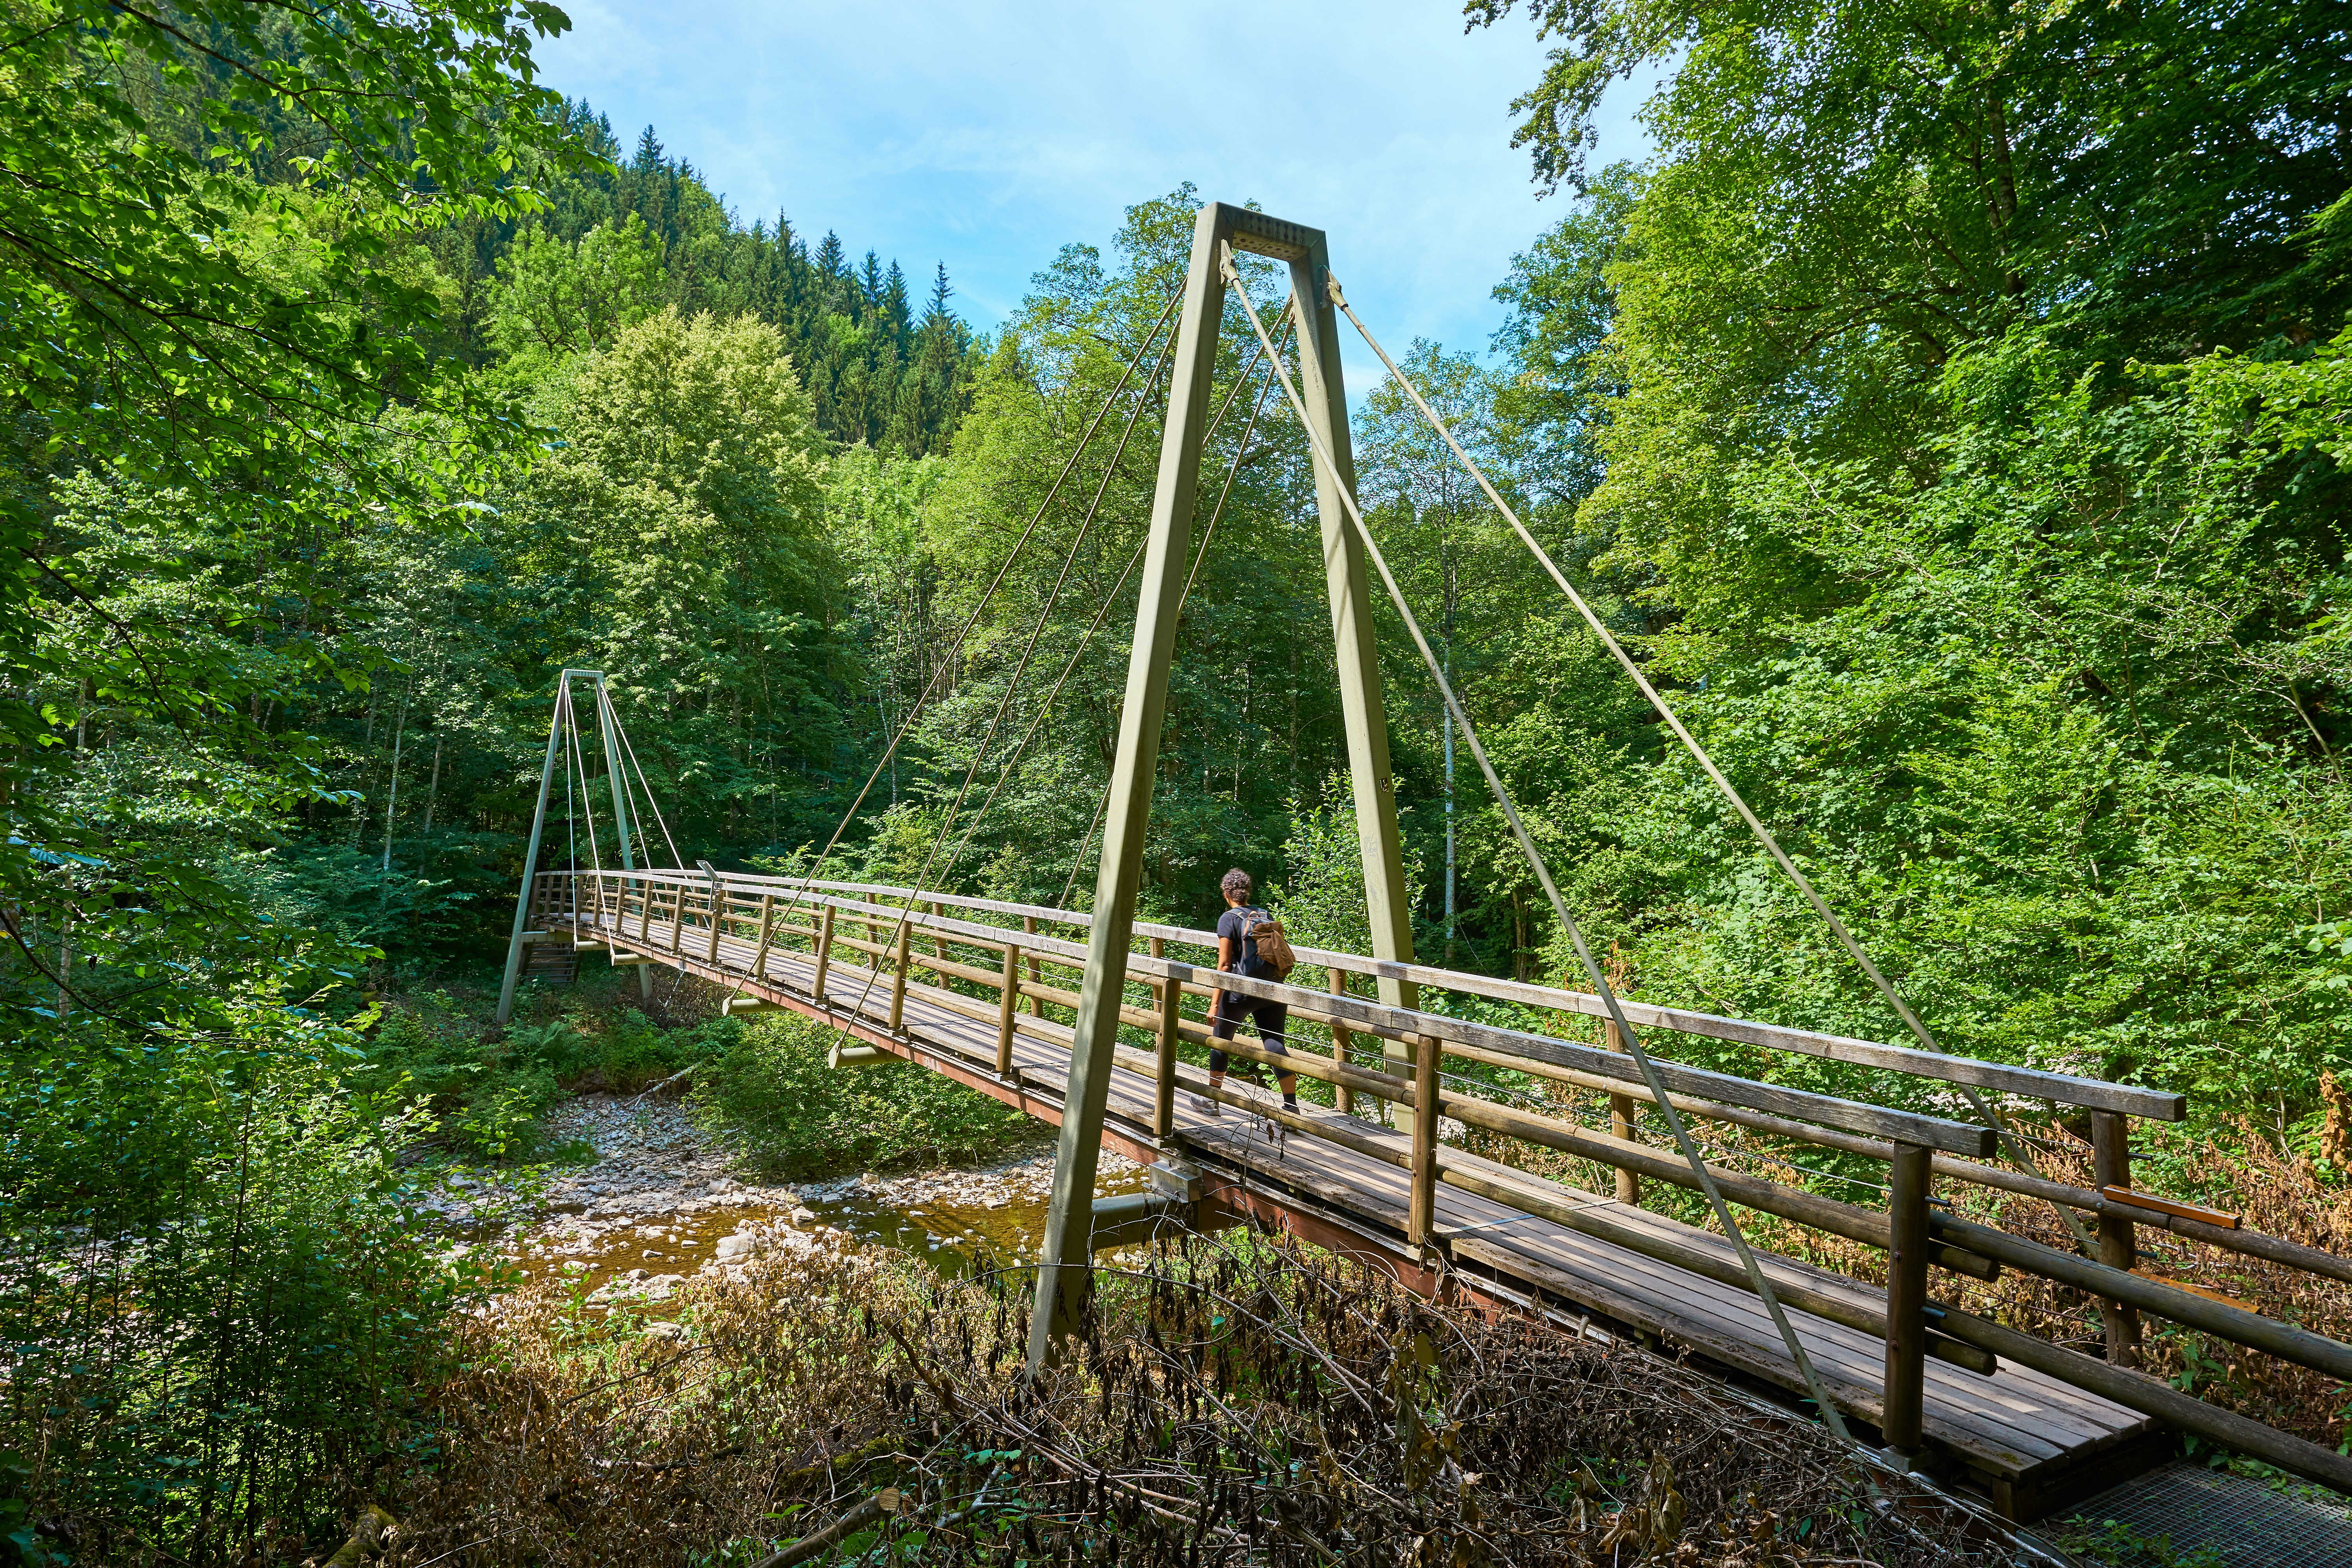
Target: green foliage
[[1320, 899], [218, 1302], [639, 229], [2118, 1545], [555, 298], [1252, 711], [1966, 434], [482, 1097], [771, 1097]]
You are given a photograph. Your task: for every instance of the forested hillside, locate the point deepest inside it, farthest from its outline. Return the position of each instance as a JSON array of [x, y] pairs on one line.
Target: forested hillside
[[1951, 414]]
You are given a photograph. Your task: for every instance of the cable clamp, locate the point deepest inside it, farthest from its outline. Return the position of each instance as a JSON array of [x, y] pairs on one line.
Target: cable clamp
[[1332, 289]]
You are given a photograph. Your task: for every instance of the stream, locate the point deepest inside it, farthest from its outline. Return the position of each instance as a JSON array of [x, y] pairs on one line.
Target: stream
[[659, 1204]]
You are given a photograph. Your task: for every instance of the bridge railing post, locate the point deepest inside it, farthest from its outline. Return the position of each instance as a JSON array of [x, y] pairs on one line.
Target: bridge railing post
[[767, 931], [1008, 998], [2118, 1243], [1420, 1214], [1168, 994], [873, 932], [717, 902], [824, 951], [678, 919], [1036, 968], [1342, 1043], [1908, 1179], [898, 981], [1620, 1122]]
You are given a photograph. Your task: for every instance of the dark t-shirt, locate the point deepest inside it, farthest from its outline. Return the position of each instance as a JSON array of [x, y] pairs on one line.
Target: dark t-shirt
[[1234, 923]]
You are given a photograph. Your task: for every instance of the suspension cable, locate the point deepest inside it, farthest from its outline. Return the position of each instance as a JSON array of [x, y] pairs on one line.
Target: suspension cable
[[571, 834], [629, 750], [1761, 1286], [915, 709], [1231, 472], [1764, 835], [577, 744], [1012, 685]]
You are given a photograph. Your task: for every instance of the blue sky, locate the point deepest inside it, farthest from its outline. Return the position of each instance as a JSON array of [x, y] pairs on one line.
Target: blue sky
[[987, 135]]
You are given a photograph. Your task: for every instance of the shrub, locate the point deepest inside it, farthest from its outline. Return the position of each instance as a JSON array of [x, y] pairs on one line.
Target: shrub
[[773, 1099], [216, 1295]]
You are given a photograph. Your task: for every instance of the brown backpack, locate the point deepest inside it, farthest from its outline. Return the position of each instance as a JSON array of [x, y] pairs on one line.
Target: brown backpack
[[1273, 945]]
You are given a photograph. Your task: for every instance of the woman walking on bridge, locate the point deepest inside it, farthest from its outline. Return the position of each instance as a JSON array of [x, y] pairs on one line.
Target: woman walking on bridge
[[1239, 953]]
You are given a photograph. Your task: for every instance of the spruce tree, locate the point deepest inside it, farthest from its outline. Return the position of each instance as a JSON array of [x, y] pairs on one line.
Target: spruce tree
[[897, 313]]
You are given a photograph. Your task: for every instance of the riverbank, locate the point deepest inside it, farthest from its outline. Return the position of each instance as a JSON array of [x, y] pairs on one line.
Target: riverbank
[[661, 1201]]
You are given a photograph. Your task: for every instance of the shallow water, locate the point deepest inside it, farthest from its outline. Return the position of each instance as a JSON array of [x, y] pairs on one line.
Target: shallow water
[[954, 1236], [672, 1207]]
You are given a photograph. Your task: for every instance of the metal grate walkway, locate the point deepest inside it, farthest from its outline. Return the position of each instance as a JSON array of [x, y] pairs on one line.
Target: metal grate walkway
[[2186, 1508]]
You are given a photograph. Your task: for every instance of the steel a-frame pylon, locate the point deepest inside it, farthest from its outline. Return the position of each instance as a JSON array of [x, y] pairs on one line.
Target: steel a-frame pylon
[[1065, 1276], [609, 729]]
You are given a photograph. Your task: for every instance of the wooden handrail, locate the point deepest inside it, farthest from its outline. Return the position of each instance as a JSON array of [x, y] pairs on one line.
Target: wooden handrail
[[2062, 1089], [1408, 1025]]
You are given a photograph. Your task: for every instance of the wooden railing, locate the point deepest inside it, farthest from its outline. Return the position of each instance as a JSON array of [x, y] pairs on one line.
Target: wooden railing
[[833, 925]]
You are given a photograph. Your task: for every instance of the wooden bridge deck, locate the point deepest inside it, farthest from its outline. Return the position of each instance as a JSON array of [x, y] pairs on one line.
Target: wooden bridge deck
[[2031, 1441]]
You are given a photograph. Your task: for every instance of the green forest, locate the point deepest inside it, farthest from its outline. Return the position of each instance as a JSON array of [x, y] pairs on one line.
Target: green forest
[[1951, 415]]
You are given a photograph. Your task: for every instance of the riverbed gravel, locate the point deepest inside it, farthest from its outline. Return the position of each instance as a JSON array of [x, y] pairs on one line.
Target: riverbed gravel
[[660, 1202]]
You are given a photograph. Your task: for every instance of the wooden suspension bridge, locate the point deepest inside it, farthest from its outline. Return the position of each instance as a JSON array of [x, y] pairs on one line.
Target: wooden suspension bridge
[[1083, 1020], [972, 989]]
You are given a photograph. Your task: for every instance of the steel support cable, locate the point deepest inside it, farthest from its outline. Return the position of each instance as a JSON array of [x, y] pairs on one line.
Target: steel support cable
[[570, 832], [617, 774], [1232, 472], [1764, 835], [1012, 758], [1634, 1048], [567, 720], [629, 750], [578, 747], [1085, 638], [914, 710], [1012, 685]]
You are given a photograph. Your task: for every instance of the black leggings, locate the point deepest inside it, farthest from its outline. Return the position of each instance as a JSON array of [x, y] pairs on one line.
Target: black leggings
[[1269, 1017]]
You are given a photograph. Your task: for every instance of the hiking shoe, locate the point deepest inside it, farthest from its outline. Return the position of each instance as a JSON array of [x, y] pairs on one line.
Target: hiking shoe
[[1207, 1107]]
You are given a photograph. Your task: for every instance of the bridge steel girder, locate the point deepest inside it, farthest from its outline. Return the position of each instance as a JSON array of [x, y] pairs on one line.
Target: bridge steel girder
[[1064, 1275]]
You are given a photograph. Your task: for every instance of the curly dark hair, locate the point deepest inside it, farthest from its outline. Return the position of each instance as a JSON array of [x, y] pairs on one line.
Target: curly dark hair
[[1236, 883]]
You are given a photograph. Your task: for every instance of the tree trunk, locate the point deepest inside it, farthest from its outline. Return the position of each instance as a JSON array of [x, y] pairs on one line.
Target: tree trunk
[[433, 789], [391, 795]]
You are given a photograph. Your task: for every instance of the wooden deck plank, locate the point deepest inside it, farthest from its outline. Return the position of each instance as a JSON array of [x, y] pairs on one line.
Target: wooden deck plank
[[2014, 1424]]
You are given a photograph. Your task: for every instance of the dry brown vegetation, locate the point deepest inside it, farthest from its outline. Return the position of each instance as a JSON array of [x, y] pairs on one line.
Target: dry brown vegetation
[[1236, 1400], [2275, 1191]]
